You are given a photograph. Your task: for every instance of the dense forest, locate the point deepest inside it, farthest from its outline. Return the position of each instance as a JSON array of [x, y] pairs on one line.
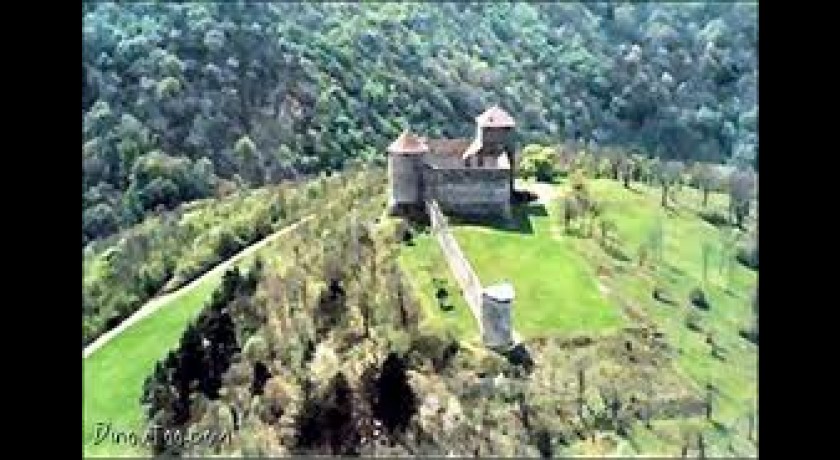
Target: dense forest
[[182, 101]]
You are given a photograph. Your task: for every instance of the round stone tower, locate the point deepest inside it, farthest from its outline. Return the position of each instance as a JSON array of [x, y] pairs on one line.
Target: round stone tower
[[404, 172], [496, 306]]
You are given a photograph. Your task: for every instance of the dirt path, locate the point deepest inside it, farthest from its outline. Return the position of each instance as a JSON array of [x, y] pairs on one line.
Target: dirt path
[[154, 304]]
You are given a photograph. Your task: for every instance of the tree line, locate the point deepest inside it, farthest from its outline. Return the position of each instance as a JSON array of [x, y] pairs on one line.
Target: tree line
[[548, 163]]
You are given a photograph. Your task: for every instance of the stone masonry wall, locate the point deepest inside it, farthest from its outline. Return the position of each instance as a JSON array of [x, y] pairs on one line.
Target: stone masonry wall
[[469, 191], [492, 317], [468, 281], [495, 316]]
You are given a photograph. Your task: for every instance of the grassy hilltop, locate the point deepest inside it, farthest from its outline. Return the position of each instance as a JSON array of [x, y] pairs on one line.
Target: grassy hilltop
[[570, 286], [324, 343]]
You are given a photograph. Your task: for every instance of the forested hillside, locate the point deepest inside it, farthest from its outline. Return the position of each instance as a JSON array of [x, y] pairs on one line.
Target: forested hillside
[[166, 252], [182, 100]]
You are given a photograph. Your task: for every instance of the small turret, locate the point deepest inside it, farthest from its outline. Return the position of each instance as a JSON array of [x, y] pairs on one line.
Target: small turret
[[494, 127]]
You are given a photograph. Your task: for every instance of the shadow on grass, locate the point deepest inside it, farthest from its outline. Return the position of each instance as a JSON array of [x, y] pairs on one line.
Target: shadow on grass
[[714, 218], [442, 294], [524, 197], [672, 272], [719, 427], [519, 223], [615, 252], [576, 232], [734, 294], [671, 209], [660, 295]]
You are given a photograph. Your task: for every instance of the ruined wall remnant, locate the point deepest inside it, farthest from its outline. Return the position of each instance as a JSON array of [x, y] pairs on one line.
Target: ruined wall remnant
[[458, 263], [496, 303]]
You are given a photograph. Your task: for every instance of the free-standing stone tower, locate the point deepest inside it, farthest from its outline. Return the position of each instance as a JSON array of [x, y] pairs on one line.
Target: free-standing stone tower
[[496, 305]]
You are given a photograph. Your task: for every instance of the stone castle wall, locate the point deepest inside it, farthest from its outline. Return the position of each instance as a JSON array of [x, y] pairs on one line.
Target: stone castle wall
[[468, 281], [493, 317], [469, 191]]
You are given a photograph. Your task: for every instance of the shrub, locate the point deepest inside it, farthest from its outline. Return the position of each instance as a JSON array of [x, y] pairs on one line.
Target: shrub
[[436, 344], [537, 163], [227, 245], [256, 349], [403, 232], [698, 299], [442, 296], [441, 293], [520, 356]]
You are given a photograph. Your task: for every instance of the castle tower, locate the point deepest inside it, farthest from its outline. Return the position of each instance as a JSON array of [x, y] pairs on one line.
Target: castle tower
[[496, 306], [404, 155], [495, 133], [494, 128]]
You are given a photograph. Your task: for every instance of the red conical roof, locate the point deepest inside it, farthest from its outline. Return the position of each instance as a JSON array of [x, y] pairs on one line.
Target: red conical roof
[[408, 143], [495, 117]]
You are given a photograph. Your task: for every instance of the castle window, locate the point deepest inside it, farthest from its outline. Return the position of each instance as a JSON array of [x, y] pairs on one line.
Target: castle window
[[467, 162], [480, 161]]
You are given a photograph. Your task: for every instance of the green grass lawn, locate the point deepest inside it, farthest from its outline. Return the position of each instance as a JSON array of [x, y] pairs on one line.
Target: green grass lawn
[[558, 292], [681, 270], [113, 376], [424, 261]]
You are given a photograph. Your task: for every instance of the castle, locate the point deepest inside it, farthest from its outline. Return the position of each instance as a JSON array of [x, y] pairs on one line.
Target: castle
[[468, 177]]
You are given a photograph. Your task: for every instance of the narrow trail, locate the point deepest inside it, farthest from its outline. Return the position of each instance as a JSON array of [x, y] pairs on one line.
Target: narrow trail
[[154, 304]]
